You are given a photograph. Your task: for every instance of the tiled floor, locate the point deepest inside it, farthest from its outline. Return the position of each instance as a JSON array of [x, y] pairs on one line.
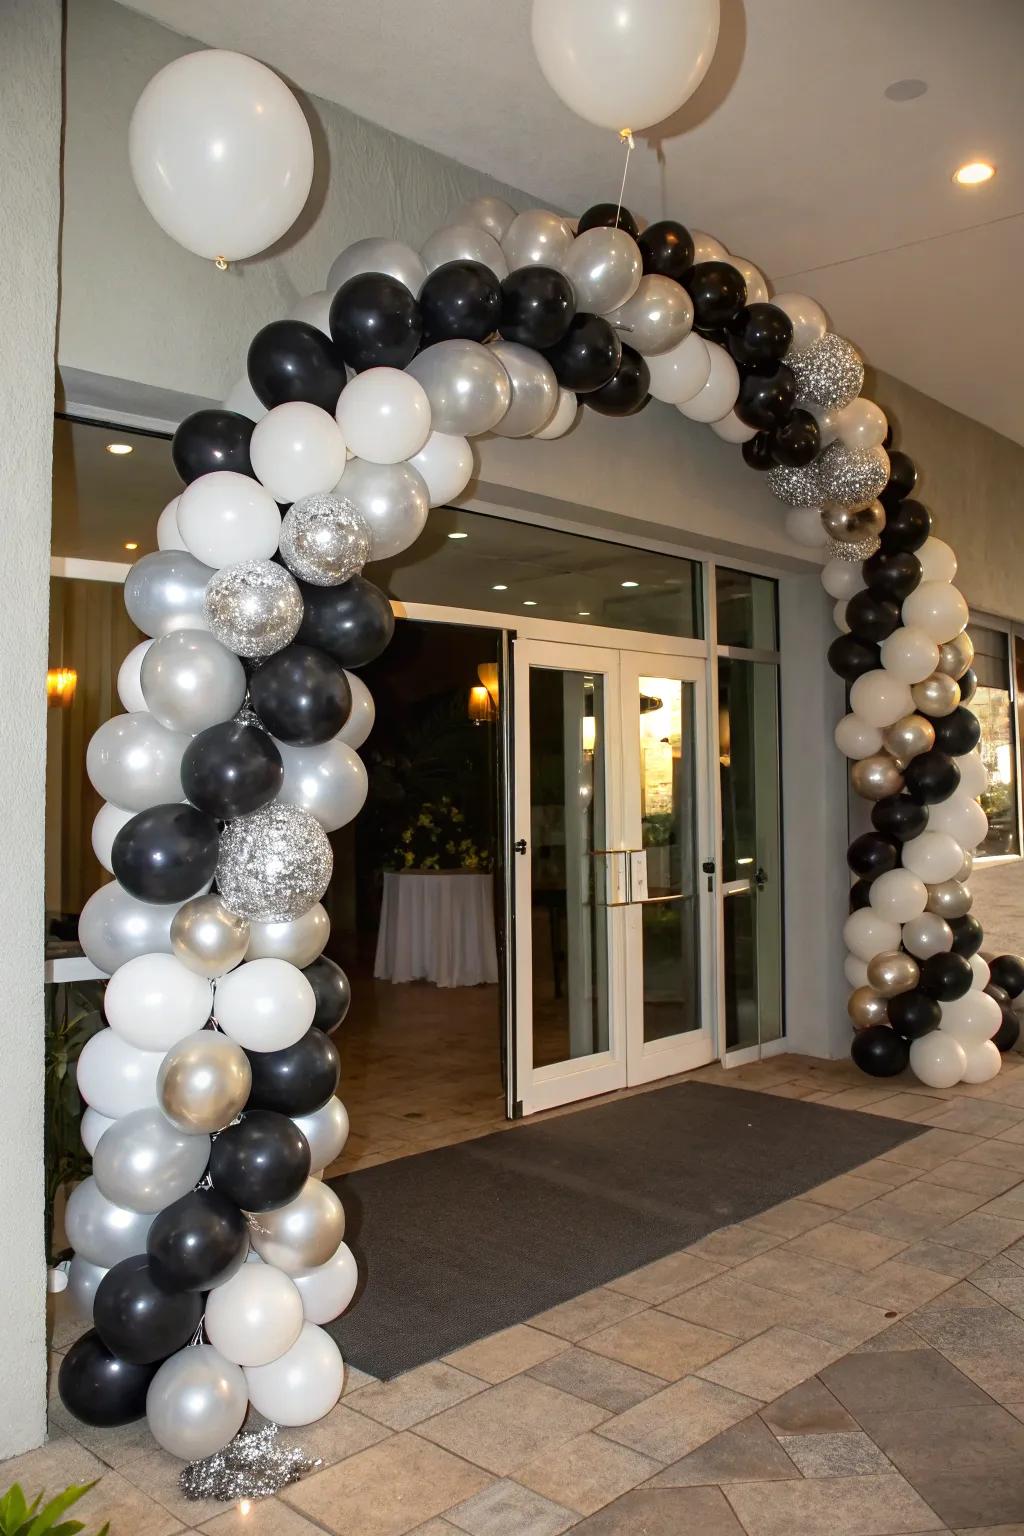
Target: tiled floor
[[850, 1363]]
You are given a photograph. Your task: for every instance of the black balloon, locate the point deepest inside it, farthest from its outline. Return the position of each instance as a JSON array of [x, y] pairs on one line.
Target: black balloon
[[198, 1242], [913, 1014], [587, 356], [872, 854], [292, 360], [902, 479], [137, 1320], [968, 685], [262, 1162], [907, 525], [758, 335], [332, 991], [968, 935], [931, 777], [871, 617], [757, 451], [666, 248], [851, 658], [860, 895], [718, 293], [166, 854], [298, 1079], [892, 575], [352, 622], [879, 1051], [1008, 1033], [460, 300], [302, 695], [231, 770], [957, 733], [796, 441], [100, 1389], [899, 817], [627, 391], [375, 322], [537, 307], [946, 977], [209, 440], [766, 400], [997, 994], [1007, 971], [609, 216]]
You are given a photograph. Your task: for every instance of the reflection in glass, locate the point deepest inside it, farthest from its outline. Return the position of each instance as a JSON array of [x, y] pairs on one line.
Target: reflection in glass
[[993, 705], [746, 610]]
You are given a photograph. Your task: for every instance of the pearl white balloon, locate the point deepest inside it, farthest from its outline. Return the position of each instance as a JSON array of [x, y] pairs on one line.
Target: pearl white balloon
[[753, 278], [107, 824], [91, 1128], [101, 1232], [446, 465], [881, 699], [867, 935], [707, 248], [384, 415], [225, 517], [129, 677], [566, 415], [190, 681], [221, 154], [732, 430], [856, 971], [255, 1316], [328, 779], [624, 63], [464, 242], [536, 238], [298, 940], [937, 608], [982, 974], [973, 774], [244, 399], [827, 419], [153, 1001], [487, 213], [809, 320], [315, 309], [861, 424], [718, 396], [681, 373], [840, 578], [927, 935], [910, 655], [168, 534], [468, 389], [934, 856], [898, 895], [326, 1129], [114, 1077], [327, 1290], [535, 392], [960, 816], [803, 526], [937, 561], [937, 1060], [982, 1062], [839, 617], [376, 254], [972, 1018], [196, 1402], [856, 739], [135, 763], [361, 716], [604, 267], [303, 1385], [393, 500], [265, 1005], [296, 450]]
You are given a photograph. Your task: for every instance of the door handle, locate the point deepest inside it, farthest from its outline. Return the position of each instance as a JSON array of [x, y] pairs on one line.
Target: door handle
[[760, 878], [520, 846]]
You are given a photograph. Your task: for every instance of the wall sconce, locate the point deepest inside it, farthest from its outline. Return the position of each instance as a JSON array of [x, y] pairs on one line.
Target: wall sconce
[[487, 672], [60, 686], [481, 708], [589, 724]]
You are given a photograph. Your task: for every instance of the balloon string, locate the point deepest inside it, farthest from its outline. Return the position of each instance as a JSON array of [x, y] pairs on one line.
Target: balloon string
[[627, 138]]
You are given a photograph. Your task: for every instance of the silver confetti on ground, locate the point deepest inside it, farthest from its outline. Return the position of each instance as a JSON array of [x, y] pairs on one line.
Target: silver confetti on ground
[[830, 374], [275, 864], [253, 1466]]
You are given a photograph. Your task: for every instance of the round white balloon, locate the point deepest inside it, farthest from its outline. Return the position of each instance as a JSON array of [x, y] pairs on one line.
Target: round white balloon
[[856, 739], [168, 534], [107, 824], [718, 394], [934, 856], [129, 677], [971, 1019], [803, 524], [91, 1128], [937, 1060], [981, 1062], [225, 517], [266, 1005], [910, 655], [297, 450], [973, 774], [303, 1385], [154, 1001], [937, 608], [361, 716], [808, 318], [937, 561], [861, 424], [881, 699], [962, 817], [898, 895], [384, 415], [116, 1078], [255, 1316], [446, 464], [840, 578], [681, 373], [566, 415], [327, 1290], [927, 935], [856, 971], [867, 935]]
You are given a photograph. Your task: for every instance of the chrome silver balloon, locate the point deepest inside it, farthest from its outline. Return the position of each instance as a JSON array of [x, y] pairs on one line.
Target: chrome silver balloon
[[892, 973], [254, 607], [877, 777], [376, 254], [99, 1230], [966, 868], [190, 681], [534, 389], [164, 591], [489, 213], [392, 500], [298, 940], [326, 1130], [145, 1163], [114, 927], [135, 762], [328, 780], [196, 1402], [467, 387], [537, 238], [657, 318], [464, 242], [950, 898], [866, 1008], [604, 267], [83, 1279], [208, 937], [956, 656], [203, 1083], [302, 1233], [938, 695], [325, 539], [909, 737], [274, 864]]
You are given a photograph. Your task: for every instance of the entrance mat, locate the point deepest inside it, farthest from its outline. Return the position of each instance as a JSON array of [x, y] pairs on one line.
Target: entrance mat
[[457, 1243]]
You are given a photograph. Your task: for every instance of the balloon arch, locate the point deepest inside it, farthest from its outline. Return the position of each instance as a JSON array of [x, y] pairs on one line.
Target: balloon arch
[[211, 1091]]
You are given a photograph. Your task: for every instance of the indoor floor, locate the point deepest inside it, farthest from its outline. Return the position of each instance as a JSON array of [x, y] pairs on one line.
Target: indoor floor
[[850, 1363]]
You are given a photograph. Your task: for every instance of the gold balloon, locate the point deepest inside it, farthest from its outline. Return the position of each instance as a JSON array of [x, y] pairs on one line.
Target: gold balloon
[[866, 1007], [853, 525], [966, 868], [909, 737], [938, 695], [892, 973], [207, 937], [203, 1082], [950, 898], [877, 777], [956, 656]]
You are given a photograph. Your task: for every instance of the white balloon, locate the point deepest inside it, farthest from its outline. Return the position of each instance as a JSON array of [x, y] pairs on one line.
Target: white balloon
[[681, 373], [856, 971], [840, 578], [972, 1018], [315, 309], [809, 320], [937, 1060], [934, 856], [487, 213], [881, 699], [376, 254], [266, 1005], [464, 242], [362, 715], [92, 1126], [296, 450], [861, 424], [910, 655], [982, 974], [624, 63], [731, 430], [856, 739], [927, 935], [298, 939], [254, 1317], [982, 1062], [937, 561], [244, 399], [566, 413], [839, 617], [327, 1290], [303, 1385], [960, 816], [154, 1001], [129, 677], [867, 935], [718, 396], [329, 780], [973, 774], [937, 608], [753, 277], [707, 248], [384, 415], [168, 534], [326, 1129], [828, 420], [446, 464], [898, 895], [225, 517], [108, 823], [221, 154], [114, 1077], [803, 525]]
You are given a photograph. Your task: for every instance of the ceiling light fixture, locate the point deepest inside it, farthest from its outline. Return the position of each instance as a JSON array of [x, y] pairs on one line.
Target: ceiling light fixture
[[499, 587], [583, 613], [119, 449], [630, 583], [529, 602], [458, 535], [131, 544], [905, 90], [974, 173]]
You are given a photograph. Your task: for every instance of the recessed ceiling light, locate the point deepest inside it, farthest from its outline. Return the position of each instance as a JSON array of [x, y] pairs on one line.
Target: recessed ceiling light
[[131, 545], [458, 535], [529, 602], [974, 173], [630, 583], [499, 587], [906, 90], [119, 449]]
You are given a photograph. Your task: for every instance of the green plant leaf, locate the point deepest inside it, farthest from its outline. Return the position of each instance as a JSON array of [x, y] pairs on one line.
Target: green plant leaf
[[49, 1514], [13, 1510]]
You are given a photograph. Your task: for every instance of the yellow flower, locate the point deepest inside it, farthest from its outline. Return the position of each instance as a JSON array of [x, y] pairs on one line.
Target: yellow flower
[[407, 835], [423, 820], [471, 862], [410, 857], [457, 815]]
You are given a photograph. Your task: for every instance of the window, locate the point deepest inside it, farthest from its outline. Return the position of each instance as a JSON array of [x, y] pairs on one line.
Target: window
[[993, 703]]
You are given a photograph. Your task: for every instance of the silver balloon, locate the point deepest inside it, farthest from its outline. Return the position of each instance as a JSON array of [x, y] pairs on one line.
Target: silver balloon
[[325, 539], [254, 607], [328, 780], [114, 927], [190, 681], [853, 477], [927, 935], [99, 1230], [876, 778], [866, 1008], [537, 238], [534, 389], [196, 1402], [489, 213], [392, 500], [274, 864], [467, 387], [894, 972], [956, 656], [950, 898], [378, 255], [854, 525], [464, 242], [938, 695], [207, 937], [795, 487], [298, 941], [966, 868], [657, 318], [830, 374], [83, 1279], [164, 591], [135, 762], [203, 1083], [909, 737], [302, 1233], [144, 1163], [604, 267], [326, 1130]]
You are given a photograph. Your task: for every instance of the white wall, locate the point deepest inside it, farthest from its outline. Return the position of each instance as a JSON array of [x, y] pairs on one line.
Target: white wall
[[30, 179]]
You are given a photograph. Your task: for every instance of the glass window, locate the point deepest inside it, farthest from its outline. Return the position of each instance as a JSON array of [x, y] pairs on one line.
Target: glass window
[[746, 607], [993, 705]]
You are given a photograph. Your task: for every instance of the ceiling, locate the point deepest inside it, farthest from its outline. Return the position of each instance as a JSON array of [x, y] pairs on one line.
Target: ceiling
[[790, 152], [104, 501]]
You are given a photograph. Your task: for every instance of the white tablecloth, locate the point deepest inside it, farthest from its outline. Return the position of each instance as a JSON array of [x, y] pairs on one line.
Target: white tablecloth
[[437, 925]]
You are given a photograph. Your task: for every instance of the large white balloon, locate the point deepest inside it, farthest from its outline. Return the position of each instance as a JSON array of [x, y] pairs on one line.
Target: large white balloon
[[326, 1129], [937, 560], [973, 774], [681, 373], [114, 1077], [301, 1386], [255, 1316], [962, 817], [910, 655], [107, 824], [856, 739], [982, 974], [446, 464], [867, 935], [861, 424], [881, 699], [384, 415], [898, 895], [937, 1060], [856, 971], [971, 1019], [225, 517], [624, 63], [154, 1001], [982, 1062], [361, 716], [718, 394], [803, 524], [937, 608], [92, 1126], [327, 1290], [329, 780], [732, 430], [221, 154], [297, 450], [266, 1005], [934, 856]]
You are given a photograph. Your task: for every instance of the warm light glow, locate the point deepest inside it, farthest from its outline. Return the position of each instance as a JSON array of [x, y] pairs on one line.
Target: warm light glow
[[60, 685], [974, 173], [499, 587], [529, 602], [589, 733], [120, 449], [630, 583], [131, 544], [458, 535], [245, 1506], [583, 613], [487, 672], [481, 708]]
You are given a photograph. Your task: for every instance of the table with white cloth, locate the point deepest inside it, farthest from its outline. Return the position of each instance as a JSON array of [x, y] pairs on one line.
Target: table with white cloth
[[437, 925]]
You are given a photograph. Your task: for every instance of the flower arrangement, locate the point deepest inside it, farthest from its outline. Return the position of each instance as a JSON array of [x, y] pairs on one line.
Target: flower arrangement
[[437, 839]]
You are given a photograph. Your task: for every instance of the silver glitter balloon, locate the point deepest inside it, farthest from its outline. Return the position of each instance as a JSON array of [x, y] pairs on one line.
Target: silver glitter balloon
[[254, 607], [830, 374], [795, 487], [275, 864], [855, 553], [253, 1466], [851, 477], [325, 539]]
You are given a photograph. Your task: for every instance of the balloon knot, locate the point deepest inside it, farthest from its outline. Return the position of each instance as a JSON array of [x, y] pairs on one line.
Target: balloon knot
[[220, 263]]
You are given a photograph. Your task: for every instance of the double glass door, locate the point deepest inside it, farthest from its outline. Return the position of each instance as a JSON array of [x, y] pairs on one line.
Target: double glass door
[[613, 870]]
